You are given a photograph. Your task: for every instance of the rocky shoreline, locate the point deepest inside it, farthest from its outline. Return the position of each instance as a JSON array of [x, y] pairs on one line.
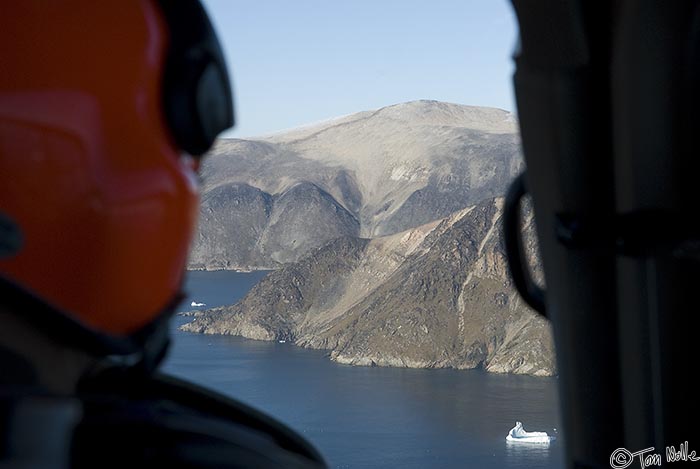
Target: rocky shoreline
[[437, 296]]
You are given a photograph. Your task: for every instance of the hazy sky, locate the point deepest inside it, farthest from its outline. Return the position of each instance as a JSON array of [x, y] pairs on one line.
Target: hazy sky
[[301, 61]]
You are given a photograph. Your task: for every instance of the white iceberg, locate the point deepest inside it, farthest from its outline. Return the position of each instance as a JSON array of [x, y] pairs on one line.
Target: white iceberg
[[517, 434], [194, 303]]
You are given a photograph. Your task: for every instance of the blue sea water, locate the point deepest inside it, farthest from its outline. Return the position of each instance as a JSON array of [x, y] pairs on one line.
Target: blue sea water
[[362, 417]]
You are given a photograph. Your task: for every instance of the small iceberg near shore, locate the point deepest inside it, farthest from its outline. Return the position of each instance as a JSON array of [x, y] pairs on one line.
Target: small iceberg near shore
[[195, 304], [517, 434]]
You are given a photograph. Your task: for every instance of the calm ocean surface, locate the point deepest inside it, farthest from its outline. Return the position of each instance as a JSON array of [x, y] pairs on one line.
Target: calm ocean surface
[[369, 417]]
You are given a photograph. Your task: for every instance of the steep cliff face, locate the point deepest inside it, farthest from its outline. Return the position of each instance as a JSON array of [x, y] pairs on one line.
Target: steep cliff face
[[371, 174], [235, 216], [435, 296], [304, 217], [242, 227]]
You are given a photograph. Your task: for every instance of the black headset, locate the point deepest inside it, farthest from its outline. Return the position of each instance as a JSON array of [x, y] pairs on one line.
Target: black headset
[[196, 90]]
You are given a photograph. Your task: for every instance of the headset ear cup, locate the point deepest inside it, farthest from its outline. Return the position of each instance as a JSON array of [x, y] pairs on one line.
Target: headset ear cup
[[196, 104], [212, 112], [196, 88]]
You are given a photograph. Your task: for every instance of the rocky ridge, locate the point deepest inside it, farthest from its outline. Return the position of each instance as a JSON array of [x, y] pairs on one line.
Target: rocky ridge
[[435, 296], [270, 200]]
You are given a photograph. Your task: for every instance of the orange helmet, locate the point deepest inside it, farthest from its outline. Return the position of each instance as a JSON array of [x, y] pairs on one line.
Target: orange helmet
[[102, 105]]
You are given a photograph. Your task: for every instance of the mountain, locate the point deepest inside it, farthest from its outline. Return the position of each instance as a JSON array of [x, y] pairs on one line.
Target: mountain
[[269, 201], [438, 295]]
